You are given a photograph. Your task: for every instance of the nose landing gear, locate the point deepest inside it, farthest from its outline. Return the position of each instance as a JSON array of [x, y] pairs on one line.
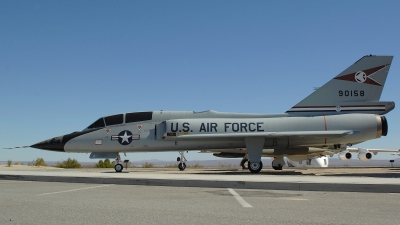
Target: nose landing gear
[[118, 164], [118, 168], [182, 162]]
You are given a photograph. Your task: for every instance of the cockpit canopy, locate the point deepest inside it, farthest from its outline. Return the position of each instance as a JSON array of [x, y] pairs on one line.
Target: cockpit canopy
[[120, 119]]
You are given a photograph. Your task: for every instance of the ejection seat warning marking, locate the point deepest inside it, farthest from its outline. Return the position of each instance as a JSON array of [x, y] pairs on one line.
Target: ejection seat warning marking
[[239, 198]]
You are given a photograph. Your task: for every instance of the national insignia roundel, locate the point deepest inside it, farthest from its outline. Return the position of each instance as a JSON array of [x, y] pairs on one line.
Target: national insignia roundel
[[125, 137]]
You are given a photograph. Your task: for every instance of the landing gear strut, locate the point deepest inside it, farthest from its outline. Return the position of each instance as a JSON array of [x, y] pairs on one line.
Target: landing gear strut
[[254, 147], [118, 164], [182, 162]]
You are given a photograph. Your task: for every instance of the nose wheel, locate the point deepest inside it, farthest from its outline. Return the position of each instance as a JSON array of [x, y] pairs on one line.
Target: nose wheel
[[118, 166], [182, 162], [182, 166]]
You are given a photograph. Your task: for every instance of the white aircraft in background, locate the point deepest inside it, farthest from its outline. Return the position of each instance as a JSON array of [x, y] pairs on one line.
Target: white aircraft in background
[[322, 161], [364, 154]]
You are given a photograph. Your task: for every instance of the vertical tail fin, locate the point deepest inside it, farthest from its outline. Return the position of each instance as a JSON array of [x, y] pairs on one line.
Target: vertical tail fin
[[355, 90]]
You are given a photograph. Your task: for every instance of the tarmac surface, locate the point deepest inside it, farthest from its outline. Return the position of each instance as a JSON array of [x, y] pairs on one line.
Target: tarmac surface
[[46, 195], [376, 180]]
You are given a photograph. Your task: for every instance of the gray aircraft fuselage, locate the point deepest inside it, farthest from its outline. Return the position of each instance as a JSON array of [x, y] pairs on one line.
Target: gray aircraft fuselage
[[188, 130]]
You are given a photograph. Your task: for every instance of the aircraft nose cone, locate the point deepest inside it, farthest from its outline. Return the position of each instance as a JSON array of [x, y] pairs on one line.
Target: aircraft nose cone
[[58, 143], [53, 144]]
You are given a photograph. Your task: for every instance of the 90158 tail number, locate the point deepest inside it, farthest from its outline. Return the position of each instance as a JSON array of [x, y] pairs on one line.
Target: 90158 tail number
[[350, 93]]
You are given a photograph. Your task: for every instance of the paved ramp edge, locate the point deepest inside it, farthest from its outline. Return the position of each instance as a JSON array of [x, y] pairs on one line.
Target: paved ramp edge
[[294, 186]]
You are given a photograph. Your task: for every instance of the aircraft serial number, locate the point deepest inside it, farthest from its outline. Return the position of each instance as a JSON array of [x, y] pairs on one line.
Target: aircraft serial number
[[355, 93]]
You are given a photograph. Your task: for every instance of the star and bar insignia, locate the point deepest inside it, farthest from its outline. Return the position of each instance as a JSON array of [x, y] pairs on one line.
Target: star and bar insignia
[[125, 137]]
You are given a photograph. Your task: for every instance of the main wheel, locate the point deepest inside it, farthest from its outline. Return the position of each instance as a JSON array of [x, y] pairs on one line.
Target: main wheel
[[182, 166], [118, 168], [255, 167], [244, 163], [277, 167]]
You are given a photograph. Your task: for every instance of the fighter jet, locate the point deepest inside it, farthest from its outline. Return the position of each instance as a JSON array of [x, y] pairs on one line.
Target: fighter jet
[[343, 112]]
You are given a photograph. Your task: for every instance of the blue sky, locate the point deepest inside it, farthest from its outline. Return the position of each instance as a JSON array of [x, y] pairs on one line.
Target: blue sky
[[64, 64]]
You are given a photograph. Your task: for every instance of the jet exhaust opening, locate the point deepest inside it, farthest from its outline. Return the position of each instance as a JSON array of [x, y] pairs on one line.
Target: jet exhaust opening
[[384, 126]]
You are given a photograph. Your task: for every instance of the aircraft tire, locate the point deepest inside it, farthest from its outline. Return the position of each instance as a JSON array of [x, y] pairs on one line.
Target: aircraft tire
[[118, 168], [277, 167], [243, 163], [255, 167], [182, 166]]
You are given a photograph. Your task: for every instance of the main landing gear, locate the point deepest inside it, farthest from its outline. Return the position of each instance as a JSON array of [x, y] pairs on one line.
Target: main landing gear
[[255, 167], [182, 162], [244, 163], [118, 164], [254, 146], [278, 163]]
